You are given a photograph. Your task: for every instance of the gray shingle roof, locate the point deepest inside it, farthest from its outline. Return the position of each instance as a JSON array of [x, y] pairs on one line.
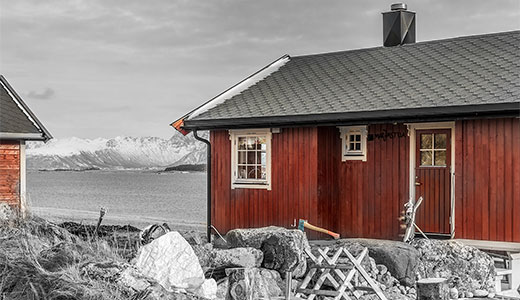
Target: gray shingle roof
[[14, 114], [472, 70]]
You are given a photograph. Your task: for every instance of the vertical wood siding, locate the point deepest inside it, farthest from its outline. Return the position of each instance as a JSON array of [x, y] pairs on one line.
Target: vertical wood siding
[[487, 179], [294, 178], [364, 199], [10, 172]]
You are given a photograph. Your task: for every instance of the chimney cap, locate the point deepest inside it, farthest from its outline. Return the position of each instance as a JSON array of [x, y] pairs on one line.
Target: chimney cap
[[398, 6]]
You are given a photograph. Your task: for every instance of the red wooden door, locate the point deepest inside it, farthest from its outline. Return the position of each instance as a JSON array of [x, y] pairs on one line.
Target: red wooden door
[[432, 179]]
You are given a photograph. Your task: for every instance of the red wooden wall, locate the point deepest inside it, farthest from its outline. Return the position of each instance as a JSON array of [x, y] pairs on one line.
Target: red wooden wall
[[309, 181], [10, 172], [487, 179], [293, 193], [364, 199]]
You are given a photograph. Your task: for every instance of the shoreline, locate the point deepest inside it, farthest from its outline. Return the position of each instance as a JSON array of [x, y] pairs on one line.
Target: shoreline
[[59, 215]]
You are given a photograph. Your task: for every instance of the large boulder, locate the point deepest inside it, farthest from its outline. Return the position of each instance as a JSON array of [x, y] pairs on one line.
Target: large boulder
[[236, 257], [400, 258], [253, 283], [250, 237], [466, 268], [284, 249], [171, 261]]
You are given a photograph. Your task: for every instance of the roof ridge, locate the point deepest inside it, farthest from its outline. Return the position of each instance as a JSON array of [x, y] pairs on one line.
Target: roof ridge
[[459, 38]]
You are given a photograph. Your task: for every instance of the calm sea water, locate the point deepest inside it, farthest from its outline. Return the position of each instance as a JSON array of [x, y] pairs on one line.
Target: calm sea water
[[130, 197]]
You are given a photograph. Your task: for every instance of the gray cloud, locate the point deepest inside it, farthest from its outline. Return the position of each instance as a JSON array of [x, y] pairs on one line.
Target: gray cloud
[[158, 59], [47, 93]]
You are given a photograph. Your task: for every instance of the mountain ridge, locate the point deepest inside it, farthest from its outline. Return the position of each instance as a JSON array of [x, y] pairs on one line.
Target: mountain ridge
[[119, 153]]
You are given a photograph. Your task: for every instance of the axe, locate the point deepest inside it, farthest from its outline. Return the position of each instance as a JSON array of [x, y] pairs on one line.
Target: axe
[[304, 224]]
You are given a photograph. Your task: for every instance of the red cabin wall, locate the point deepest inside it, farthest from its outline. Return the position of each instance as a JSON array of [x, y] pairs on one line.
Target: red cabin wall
[[10, 172], [293, 193], [364, 199], [487, 179]]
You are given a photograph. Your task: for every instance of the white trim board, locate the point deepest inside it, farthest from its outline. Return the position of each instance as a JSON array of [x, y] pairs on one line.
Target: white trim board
[[412, 128]]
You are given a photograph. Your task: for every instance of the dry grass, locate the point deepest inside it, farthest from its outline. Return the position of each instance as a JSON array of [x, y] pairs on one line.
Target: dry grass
[[39, 260]]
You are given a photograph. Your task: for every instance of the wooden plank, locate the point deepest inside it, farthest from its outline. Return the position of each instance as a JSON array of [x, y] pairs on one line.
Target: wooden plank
[[516, 178], [492, 191], [507, 183], [500, 181], [469, 182], [491, 245]]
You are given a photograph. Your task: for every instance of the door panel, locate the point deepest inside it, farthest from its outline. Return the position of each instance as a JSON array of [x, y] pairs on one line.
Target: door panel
[[432, 179]]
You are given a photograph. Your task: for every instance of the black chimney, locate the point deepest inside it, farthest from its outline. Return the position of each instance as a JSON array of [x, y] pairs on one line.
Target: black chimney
[[398, 26]]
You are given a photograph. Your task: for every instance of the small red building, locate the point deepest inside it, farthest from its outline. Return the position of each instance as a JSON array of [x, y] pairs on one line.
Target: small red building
[[344, 139], [17, 125]]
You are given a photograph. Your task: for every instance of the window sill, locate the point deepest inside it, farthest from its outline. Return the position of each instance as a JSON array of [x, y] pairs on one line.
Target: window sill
[[250, 186], [354, 157]]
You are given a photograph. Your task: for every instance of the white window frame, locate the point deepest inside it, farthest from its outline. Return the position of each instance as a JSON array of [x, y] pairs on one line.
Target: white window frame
[[345, 132], [250, 183]]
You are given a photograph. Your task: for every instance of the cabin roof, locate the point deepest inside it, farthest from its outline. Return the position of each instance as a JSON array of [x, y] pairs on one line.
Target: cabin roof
[[17, 121], [472, 74]]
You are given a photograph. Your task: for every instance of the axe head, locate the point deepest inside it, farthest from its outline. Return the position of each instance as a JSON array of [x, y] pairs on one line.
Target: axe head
[[301, 225]]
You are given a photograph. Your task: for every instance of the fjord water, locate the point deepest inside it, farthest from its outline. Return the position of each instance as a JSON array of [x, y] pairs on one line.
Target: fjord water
[[138, 198]]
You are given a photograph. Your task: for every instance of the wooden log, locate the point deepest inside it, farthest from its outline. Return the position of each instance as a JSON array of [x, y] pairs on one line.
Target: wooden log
[[432, 289]]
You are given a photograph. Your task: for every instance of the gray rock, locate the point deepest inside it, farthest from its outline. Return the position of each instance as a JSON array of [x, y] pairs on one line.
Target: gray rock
[[222, 288], [284, 251], [480, 293], [382, 269], [283, 248], [466, 268], [251, 237], [253, 283], [469, 295], [400, 258], [454, 293], [236, 257]]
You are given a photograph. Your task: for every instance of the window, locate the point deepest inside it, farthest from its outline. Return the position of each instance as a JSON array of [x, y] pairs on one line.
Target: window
[[251, 158], [354, 143], [433, 149]]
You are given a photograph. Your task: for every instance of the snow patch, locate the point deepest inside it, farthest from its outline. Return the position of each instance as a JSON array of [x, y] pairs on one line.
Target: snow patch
[[242, 86]]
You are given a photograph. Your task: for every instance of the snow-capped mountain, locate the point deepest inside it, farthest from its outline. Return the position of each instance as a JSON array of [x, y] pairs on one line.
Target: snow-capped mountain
[[115, 153]]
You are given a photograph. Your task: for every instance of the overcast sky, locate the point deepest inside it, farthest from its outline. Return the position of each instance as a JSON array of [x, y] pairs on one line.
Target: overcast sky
[[103, 68]]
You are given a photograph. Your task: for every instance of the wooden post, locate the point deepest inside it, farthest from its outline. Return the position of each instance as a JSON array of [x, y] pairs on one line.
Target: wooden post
[[288, 285], [432, 289]]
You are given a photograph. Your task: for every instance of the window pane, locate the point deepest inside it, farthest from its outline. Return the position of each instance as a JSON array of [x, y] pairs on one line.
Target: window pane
[[358, 137], [357, 147], [258, 172], [440, 158], [351, 137], [242, 157], [260, 143], [242, 172], [351, 146], [261, 158], [242, 143], [426, 158], [264, 173], [251, 157], [251, 143], [251, 172], [426, 141], [440, 141]]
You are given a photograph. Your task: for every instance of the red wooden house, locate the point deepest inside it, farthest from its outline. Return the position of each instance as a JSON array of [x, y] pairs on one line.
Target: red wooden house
[[344, 139], [17, 125]]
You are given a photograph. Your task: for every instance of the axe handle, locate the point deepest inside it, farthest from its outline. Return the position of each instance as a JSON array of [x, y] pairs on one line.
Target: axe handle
[[315, 228]]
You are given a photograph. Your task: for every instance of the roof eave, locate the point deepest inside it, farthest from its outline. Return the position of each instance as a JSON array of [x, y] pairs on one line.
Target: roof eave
[[23, 136], [381, 116]]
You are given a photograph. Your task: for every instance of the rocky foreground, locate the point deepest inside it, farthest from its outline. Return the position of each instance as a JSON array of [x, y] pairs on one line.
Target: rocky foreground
[[41, 260]]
